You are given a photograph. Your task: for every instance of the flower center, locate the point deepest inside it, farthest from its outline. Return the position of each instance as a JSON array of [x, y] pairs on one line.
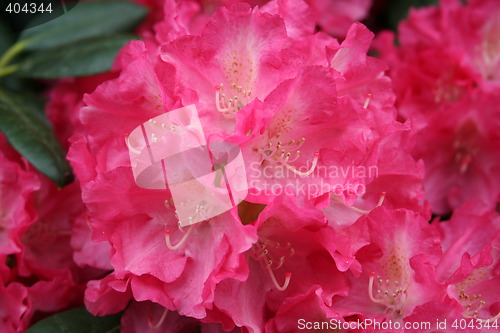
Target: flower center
[[473, 303], [232, 99], [240, 72], [276, 152], [390, 293], [466, 145], [42, 233], [446, 90], [272, 256]]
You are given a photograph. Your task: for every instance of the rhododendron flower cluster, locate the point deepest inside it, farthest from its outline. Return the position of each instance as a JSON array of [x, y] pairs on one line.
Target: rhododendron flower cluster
[[450, 97], [371, 184]]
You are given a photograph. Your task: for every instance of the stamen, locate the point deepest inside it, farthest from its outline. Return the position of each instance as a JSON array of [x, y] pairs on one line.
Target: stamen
[[270, 153], [181, 242], [218, 105], [281, 262], [300, 143], [240, 98], [261, 254], [359, 210], [490, 320], [288, 276], [159, 323], [367, 100], [307, 173], [381, 200], [297, 155], [370, 290]]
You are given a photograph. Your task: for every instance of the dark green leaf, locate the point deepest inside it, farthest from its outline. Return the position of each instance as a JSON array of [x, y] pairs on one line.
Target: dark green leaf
[[82, 58], [30, 134], [86, 20], [6, 37], [398, 10], [31, 90], [77, 321]]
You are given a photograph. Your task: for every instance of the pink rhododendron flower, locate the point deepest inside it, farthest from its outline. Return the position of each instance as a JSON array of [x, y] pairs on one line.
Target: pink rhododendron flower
[[291, 242], [398, 266], [296, 147], [292, 100], [460, 153], [65, 101], [441, 315], [17, 184], [40, 276], [363, 78], [145, 214], [444, 74], [13, 305], [335, 17], [335, 226], [53, 226], [23, 304], [310, 307], [150, 317], [38, 271], [241, 53], [470, 261]]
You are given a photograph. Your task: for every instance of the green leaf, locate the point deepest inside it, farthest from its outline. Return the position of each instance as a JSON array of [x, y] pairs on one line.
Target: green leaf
[[30, 134], [77, 321], [86, 57], [6, 37], [398, 10], [86, 20]]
